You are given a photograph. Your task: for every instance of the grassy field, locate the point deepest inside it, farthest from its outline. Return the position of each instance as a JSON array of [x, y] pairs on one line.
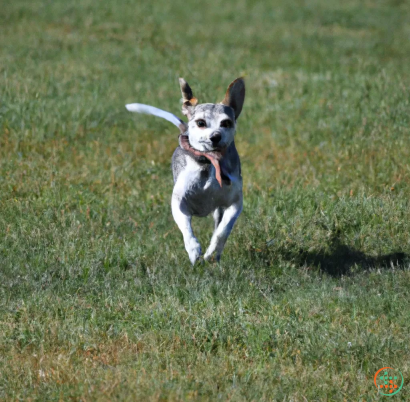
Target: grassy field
[[98, 300]]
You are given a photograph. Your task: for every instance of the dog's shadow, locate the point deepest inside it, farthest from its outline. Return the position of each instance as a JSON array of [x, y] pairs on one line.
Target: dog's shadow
[[340, 259]]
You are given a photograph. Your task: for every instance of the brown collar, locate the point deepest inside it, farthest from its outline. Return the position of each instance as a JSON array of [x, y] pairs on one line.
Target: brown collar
[[215, 157]]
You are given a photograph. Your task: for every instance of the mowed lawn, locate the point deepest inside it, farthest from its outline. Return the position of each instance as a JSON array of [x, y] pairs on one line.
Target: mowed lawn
[[98, 300]]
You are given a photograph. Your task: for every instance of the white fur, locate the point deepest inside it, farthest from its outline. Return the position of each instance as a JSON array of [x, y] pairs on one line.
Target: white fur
[[223, 230], [185, 181], [226, 201], [183, 221], [199, 137], [147, 109]]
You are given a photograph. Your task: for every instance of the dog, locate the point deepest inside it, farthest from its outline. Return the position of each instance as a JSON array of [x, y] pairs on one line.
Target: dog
[[206, 166]]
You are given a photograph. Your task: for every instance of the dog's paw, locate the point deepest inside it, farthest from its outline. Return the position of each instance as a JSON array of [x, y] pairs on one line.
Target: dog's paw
[[194, 250], [211, 256]]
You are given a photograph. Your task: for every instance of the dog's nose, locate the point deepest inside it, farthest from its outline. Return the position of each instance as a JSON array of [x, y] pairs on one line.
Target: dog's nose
[[215, 138]]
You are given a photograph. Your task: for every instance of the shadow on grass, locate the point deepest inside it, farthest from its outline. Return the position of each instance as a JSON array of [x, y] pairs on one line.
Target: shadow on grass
[[339, 259]]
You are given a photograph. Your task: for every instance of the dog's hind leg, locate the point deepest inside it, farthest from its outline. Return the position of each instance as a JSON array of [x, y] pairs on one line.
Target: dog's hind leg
[[218, 213], [223, 230], [183, 220]]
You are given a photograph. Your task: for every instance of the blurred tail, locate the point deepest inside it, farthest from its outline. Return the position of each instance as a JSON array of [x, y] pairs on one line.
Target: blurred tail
[[147, 109]]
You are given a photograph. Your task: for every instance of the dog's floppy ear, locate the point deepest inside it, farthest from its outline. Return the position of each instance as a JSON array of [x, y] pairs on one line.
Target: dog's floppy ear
[[188, 98], [235, 96]]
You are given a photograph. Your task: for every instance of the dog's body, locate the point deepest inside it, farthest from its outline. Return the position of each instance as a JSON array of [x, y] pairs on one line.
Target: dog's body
[[197, 187], [198, 193], [206, 166]]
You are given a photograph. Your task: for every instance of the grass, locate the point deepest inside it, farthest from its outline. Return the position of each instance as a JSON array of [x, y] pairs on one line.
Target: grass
[[98, 300]]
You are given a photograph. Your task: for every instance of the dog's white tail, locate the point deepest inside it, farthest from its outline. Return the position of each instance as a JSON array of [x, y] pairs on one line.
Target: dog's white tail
[[147, 109]]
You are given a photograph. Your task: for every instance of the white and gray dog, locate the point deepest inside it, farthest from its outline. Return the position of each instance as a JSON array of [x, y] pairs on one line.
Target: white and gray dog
[[206, 165]]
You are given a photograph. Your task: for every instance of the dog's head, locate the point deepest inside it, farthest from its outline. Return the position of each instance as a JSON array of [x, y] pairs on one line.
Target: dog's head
[[212, 126]]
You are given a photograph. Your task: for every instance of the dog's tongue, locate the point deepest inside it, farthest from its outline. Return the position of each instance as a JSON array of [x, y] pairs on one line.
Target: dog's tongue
[[215, 163], [213, 156]]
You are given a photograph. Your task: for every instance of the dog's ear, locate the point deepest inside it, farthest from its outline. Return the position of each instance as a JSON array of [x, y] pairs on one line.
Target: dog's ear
[[188, 98], [235, 96]]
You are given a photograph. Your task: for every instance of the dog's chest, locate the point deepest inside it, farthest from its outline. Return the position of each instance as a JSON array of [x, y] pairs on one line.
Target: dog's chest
[[198, 189]]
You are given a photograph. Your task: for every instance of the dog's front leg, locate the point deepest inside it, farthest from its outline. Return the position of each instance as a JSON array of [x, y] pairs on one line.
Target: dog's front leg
[[183, 220], [223, 230]]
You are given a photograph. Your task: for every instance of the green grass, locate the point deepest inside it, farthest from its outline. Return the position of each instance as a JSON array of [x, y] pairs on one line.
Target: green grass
[[98, 300]]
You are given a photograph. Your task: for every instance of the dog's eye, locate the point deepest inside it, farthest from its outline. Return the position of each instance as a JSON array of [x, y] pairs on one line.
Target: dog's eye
[[201, 123], [226, 123]]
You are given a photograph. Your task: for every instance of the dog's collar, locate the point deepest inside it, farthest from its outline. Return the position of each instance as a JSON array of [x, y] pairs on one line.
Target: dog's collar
[[214, 157]]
